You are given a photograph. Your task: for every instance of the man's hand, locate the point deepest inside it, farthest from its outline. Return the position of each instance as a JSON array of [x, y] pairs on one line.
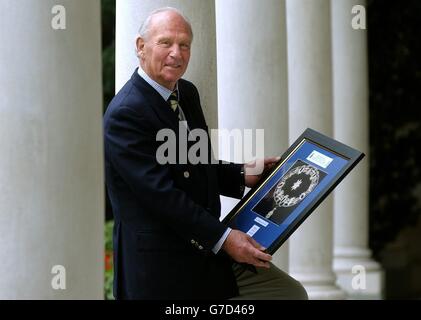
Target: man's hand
[[244, 249], [254, 170]]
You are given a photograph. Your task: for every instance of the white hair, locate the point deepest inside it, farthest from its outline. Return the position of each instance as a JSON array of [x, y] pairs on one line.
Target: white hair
[[144, 28]]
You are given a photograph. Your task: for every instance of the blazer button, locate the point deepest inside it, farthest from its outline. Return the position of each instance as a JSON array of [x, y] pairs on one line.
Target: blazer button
[[186, 174], [192, 241], [200, 248]]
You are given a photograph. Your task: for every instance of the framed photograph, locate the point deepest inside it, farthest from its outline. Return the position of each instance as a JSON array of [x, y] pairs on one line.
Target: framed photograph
[[307, 172]]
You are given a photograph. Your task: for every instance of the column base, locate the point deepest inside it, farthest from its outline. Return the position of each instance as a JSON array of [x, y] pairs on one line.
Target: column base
[[320, 286], [325, 293], [357, 274]]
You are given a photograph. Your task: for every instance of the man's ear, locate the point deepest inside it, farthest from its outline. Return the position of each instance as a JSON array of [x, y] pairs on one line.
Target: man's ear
[[140, 45]]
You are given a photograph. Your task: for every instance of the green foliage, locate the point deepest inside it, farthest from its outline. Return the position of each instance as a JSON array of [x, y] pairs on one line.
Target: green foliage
[[108, 67], [108, 285], [394, 29]]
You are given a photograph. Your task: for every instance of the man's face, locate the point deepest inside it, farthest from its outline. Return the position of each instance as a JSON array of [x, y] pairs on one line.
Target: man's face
[[165, 51]]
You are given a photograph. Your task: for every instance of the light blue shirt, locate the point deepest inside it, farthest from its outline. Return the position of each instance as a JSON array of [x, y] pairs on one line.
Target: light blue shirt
[[165, 94]]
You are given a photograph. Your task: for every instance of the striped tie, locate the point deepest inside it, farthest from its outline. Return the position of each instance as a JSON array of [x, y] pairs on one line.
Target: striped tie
[[173, 100]]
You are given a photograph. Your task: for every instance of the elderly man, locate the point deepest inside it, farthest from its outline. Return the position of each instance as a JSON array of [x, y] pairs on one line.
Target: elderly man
[[168, 240]]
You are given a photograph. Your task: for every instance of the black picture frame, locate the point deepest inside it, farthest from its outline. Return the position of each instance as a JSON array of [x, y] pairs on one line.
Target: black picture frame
[[286, 195]]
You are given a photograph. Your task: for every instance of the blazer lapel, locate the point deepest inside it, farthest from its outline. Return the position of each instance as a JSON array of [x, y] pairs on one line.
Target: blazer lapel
[[189, 107], [156, 102]]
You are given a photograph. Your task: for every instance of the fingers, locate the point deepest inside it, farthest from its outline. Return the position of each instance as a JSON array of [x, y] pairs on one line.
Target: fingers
[[255, 167], [258, 166], [259, 255], [261, 264], [261, 259], [263, 162], [272, 160], [256, 244], [243, 248]]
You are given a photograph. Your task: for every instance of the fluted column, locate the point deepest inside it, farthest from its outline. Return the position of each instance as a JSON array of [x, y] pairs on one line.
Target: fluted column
[[310, 105], [252, 78], [351, 253], [51, 168], [202, 68]]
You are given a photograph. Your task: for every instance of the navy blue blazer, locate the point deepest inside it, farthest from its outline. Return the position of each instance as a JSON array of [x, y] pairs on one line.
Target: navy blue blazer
[[166, 216]]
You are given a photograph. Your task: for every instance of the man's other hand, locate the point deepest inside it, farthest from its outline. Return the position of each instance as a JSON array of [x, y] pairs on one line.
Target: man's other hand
[[244, 249], [253, 170]]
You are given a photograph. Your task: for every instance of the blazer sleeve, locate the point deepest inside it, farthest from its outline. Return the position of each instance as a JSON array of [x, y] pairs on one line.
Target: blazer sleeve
[[131, 147], [230, 180]]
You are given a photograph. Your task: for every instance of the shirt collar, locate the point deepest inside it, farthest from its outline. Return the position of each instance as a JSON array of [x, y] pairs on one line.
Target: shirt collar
[[163, 92]]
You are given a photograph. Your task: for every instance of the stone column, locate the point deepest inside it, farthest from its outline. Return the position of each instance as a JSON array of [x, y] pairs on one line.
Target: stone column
[[252, 78], [51, 168], [202, 68], [310, 105], [351, 253]]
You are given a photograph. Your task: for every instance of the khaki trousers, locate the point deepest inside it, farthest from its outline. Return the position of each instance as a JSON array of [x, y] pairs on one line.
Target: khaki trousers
[[267, 284]]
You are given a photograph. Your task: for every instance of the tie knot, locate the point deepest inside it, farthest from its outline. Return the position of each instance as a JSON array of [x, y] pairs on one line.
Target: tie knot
[[174, 95]]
